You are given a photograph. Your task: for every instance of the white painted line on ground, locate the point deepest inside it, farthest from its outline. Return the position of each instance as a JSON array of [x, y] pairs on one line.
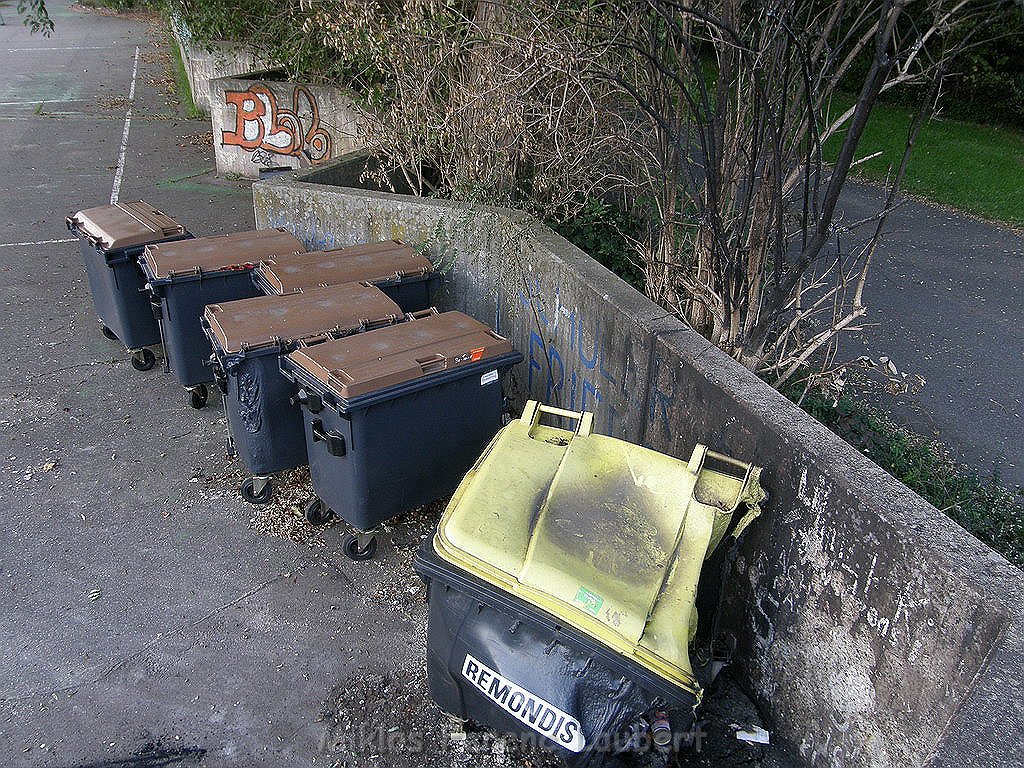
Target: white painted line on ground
[[38, 242], [36, 102], [61, 48], [115, 190]]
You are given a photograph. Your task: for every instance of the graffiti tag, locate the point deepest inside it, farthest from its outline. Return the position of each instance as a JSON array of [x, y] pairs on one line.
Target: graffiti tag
[[261, 124], [260, 156]]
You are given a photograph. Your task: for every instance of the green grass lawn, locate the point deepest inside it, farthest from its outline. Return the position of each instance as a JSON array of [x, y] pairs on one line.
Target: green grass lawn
[[976, 168]]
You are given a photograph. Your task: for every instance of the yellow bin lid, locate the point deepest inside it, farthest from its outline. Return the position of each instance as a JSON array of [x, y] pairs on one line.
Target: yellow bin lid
[[606, 535]]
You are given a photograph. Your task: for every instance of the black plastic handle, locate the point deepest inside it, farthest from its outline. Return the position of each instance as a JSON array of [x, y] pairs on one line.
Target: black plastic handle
[[335, 442], [313, 402]]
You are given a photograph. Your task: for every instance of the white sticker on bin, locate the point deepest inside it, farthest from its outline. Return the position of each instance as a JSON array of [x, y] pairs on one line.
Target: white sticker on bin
[[543, 717], [488, 378]]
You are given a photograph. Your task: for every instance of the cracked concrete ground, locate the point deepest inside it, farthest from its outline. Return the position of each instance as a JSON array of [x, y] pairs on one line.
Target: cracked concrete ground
[[143, 619], [146, 617]]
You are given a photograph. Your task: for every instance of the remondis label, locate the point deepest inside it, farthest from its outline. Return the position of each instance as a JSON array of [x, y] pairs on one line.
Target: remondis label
[[543, 717]]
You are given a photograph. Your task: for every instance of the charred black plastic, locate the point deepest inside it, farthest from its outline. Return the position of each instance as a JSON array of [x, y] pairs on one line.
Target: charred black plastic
[[613, 698], [118, 287]]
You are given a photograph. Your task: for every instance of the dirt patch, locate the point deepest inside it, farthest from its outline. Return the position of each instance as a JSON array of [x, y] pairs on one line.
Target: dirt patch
[[113, 103], [129, 14], [384, 719], [201, 139], [285, 515]]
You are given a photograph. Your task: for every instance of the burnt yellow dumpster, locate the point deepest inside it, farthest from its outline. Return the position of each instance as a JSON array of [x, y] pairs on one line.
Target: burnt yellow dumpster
[[562, 582]]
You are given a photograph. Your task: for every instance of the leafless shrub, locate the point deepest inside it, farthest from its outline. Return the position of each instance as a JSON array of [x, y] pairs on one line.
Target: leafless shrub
[[709, 119], [489, 101], [741, 233]]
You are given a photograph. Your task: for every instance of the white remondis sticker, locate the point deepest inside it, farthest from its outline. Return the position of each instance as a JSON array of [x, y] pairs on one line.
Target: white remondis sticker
[[543, 717], [488, 378]]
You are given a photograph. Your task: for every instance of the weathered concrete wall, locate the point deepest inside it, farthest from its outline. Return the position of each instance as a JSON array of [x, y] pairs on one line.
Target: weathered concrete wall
[[873, 631], [262, 122], [205, 62]]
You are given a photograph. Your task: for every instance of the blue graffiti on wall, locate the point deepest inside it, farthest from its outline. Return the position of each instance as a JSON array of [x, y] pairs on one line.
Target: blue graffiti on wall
[[310, 231], [577, 377], [580, 376], [660, 402]]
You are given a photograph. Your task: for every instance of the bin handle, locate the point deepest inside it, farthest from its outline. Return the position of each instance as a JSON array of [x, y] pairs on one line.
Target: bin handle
[[749, 476], [310, 341], [433, 363], [369, 325], [429, 312], [335, 442], [584, 419], [697, 462]]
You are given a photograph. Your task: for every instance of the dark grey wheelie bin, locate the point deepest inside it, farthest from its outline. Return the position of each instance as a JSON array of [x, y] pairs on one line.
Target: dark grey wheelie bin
[[407, 277], [562, 582], [112, 239], [184, 277], [395, 417], [249, 336]]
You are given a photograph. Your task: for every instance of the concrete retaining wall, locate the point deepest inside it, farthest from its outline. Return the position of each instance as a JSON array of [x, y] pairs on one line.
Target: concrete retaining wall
[[205, 62], [873, 631], [261, 122]]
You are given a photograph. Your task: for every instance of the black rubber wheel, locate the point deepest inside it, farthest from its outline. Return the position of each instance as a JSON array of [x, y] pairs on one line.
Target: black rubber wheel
[[262, 497], [317, 513], [353, 552], [198, 396], [108, 333], [143, 359]]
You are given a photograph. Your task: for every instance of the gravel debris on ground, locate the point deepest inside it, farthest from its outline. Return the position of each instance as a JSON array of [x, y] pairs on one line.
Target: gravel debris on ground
[[200, 139]]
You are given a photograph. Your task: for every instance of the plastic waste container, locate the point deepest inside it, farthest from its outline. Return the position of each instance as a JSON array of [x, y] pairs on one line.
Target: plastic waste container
[[395, 417], [561, 585], [405, 276], [112, 238], [248, 336], [184, 277]]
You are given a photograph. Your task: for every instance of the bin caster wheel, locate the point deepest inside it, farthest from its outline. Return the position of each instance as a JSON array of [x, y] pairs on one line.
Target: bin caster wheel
[[317, 513], [143, 359], [108, 333], [198, 396], [354, 552], [248, 491]]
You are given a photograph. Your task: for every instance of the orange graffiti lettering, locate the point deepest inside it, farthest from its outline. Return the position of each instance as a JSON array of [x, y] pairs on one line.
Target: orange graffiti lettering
[[260, 123]]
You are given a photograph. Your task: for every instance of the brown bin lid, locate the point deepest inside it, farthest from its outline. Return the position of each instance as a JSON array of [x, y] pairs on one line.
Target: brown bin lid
[[123, 225], [367, 362], [265, 320], [209, 254], [357, 263]]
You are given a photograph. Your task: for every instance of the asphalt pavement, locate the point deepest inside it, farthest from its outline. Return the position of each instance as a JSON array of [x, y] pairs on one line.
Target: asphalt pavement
[[142, 619], [946, 302]]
